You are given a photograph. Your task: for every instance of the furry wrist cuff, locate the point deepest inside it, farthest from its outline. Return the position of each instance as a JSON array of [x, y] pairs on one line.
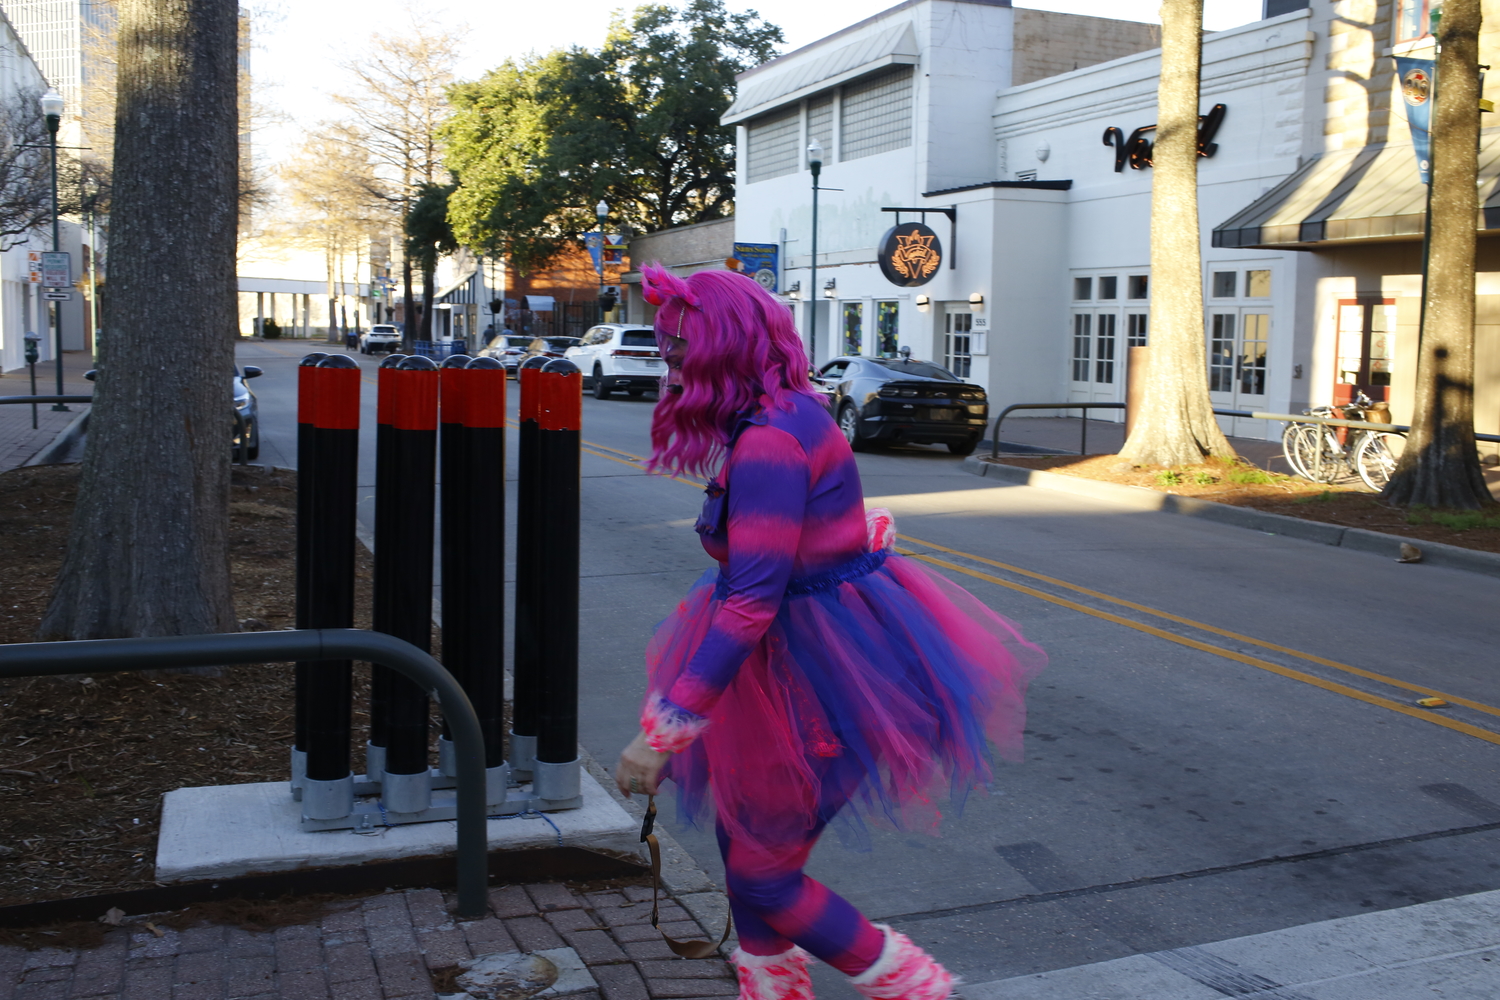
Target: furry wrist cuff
[[669, 728]]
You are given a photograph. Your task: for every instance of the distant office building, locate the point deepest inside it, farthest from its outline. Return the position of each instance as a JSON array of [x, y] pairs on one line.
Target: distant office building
[[57, 34]]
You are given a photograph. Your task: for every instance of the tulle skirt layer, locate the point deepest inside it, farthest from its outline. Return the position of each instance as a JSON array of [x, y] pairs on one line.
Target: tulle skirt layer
[[879, 697]]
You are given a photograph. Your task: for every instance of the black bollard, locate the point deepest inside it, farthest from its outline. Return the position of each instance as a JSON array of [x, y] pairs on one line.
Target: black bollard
[[559, 429], [484, 590], [406, 786], [526, 666], [454, 541], [328, 787], [386, 526], [306, 380]]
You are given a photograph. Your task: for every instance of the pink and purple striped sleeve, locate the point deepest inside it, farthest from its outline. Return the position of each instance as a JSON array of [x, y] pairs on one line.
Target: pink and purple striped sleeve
[[768, 480]]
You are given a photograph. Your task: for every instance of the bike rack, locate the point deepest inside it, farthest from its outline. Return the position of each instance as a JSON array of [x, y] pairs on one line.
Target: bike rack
[[1083, 439], [40, 659], [1333, 422]]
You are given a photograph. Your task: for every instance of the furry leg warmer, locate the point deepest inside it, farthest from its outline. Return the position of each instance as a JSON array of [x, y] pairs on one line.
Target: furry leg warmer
[[773, 977], [904, 972]]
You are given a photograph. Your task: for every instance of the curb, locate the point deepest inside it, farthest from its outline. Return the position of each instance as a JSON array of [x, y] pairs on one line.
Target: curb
[[60, 451], [1358, 539]]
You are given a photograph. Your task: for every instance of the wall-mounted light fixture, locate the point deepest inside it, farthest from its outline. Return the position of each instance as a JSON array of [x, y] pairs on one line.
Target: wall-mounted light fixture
[[976, 302], [794, 291], [923, 302], [830, 289]]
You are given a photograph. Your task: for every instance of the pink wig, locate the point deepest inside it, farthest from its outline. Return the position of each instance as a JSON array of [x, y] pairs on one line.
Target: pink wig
[[741, 344]]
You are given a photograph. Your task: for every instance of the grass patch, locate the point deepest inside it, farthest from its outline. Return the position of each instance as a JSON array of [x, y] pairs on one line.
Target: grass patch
[[1169, 478], [1249, 475], [1204, 478], [1325, 497], [1458, 520]]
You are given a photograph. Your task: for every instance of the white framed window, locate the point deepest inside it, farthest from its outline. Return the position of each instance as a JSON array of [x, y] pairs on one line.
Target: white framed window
[[958, 354]]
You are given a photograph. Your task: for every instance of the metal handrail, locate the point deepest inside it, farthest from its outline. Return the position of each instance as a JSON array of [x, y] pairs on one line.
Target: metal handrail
[[37, 659], [1083, 438], [46, 399]]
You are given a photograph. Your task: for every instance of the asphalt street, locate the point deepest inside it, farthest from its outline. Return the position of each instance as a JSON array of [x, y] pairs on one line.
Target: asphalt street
[[1225, 741]]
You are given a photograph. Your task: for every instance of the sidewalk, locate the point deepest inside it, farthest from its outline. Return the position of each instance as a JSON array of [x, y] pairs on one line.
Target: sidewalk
[[383, 946], [18, 442]]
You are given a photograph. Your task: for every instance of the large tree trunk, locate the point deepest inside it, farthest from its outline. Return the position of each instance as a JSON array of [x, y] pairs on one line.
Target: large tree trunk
[[1440, 465], [1176, 424], [148, 552]]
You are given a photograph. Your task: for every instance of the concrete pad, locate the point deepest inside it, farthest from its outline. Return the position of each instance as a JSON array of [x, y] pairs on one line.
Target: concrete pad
[[1133, 978], [223, 831]]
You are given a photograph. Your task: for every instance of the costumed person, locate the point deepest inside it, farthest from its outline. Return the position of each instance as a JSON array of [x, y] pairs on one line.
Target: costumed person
[[815, 672]]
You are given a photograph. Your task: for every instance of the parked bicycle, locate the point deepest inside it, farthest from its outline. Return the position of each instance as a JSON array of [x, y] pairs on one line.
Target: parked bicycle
[[1325, 454]]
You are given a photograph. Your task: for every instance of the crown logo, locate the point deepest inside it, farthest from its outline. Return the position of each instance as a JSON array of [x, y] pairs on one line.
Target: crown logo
[[914, 256]]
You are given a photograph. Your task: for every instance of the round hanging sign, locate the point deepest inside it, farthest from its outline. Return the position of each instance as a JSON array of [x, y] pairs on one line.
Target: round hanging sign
[[910, 254], [1416, 87]]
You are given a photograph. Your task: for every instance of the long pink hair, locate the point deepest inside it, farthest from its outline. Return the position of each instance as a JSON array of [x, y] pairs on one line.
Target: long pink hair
[[741, 344]]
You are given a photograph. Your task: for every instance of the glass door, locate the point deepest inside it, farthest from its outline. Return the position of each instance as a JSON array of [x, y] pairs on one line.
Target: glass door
[[1237, 344], [1366, 346], [958, 325]]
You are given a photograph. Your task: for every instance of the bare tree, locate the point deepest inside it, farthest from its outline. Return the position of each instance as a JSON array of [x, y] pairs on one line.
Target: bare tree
[[1440, 464], [148, 551], [398, 100], [1176, 425], [25, 170]]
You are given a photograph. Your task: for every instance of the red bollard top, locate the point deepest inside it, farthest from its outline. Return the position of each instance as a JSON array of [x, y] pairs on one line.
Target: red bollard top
[[386, 391], [560, 395], [306, 380], [453, 389], [336, 396], [416, 404], [526, 378], [485, 383]]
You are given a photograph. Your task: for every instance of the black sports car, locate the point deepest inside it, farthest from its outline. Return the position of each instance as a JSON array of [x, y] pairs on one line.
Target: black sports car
[[899, 401]]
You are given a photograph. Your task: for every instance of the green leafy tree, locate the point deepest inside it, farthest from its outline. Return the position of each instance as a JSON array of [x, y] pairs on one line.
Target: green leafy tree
[[535, 144], [428, 237]]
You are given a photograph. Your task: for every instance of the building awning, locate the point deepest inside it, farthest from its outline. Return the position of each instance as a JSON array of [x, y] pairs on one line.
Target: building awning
[[895, 46], [1370, 194]]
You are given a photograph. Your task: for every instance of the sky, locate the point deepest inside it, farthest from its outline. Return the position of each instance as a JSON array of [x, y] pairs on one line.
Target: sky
[[300, 44]]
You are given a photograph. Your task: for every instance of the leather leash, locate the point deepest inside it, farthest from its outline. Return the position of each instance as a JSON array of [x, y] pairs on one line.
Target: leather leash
[[687, 949]]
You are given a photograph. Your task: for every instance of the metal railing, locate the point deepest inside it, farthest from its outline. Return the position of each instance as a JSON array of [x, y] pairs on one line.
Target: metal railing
[[1245, 414], [46, 399], [40, 659], [1083, 440]]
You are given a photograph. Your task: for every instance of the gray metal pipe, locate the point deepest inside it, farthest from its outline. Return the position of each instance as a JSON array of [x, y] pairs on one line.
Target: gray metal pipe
[[46, 399], [30, 659]]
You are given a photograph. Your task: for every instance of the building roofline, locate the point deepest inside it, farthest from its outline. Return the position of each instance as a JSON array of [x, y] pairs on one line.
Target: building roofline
[[855, 27]]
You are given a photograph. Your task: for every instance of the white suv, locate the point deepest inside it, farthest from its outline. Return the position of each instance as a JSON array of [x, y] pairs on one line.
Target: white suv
[[380, 337], [618, 356]]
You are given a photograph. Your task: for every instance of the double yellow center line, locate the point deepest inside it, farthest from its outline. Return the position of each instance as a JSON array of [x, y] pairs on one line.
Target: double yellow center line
[[1415, 712]]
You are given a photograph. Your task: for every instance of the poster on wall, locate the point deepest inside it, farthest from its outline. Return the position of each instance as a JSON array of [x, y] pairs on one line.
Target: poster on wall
[[759, 261], [910, 254]]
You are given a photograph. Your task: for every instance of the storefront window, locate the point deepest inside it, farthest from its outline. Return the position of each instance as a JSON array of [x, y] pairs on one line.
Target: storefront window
[[1135, 330], [1224, 284], [1083, 289], [1136, 286], [1104, 354], [1412, 22], [854, 321], [1108, 287], [1221, 353], [886, 314], [1257, 330], [1257, 284]]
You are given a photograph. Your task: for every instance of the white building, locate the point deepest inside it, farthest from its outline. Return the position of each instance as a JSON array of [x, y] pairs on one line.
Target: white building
[[22, 307], [994, 121]]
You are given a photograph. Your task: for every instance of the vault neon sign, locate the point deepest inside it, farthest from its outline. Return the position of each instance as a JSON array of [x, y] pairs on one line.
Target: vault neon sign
[[1136, 150]]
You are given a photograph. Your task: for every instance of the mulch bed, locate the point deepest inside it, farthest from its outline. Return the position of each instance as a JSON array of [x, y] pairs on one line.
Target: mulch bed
[[1348, 503], [85, 760]]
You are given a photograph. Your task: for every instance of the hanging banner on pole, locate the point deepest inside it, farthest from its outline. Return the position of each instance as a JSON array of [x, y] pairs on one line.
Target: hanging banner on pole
[[1417, 77], [595, 244]]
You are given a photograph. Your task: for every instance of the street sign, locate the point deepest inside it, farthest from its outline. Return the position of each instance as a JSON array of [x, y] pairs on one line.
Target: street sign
[[57, 296], [57, 269]]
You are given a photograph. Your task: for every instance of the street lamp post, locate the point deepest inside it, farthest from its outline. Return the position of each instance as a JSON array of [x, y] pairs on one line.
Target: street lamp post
[[52, 109], [815, 164]]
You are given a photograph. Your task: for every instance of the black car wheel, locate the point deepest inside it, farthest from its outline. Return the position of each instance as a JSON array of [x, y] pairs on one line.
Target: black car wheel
[[849, 424], [963, 447], [601, 391]]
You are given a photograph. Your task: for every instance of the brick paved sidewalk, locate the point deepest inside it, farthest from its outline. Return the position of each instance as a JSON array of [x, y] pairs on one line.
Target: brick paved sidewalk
[[384, 946], [18, 441]]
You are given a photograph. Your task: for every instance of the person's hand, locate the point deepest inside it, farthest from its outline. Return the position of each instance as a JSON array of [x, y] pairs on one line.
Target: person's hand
[[640, 767]]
